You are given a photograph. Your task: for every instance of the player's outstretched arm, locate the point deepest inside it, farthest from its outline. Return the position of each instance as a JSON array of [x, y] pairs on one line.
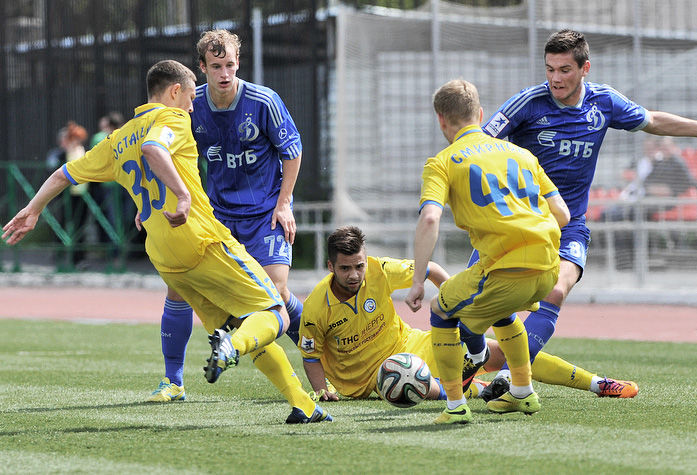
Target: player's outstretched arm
[[665, 123], [162, 166], [558, 207], [424, 242], [437, 274], [24, 221], [315, 374]]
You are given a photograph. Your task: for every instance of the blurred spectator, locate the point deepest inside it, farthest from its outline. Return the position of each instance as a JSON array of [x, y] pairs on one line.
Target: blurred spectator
[[107, 194], [70, 139], [660, 173], [107, 124]]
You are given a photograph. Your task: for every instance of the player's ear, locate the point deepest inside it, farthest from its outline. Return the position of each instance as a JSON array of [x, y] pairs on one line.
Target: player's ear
[[481, 114], [202, 66], [330, 266], [586, 67]]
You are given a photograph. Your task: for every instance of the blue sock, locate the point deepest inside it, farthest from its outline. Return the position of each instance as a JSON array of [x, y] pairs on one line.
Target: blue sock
[[175, 331], [540, 326], [295, 310], [475, 343], [442, 396]]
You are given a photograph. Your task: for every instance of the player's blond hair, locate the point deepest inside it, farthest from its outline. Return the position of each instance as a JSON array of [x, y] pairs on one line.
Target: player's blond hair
[[457, 101], [217, 42]]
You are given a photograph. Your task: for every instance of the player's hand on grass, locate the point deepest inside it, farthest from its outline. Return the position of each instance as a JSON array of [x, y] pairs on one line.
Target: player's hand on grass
[[180, 216], [415, 296], [324, 396], [283, 215], [20, 225]]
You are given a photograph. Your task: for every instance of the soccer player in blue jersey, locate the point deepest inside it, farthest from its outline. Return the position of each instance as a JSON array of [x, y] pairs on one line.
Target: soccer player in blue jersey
[[253, 151], [563, 122], [154, 157]]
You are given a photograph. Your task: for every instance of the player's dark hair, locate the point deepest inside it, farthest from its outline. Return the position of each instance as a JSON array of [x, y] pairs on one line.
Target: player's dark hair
[[215, 41], [457, 101], [347, 240], [565, 41], [163, 74]]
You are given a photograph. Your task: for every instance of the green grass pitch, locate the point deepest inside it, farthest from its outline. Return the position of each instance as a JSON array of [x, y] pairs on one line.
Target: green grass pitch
[[71, 401]]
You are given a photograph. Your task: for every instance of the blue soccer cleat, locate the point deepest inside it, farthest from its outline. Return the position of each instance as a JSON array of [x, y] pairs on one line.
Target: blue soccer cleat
[[297, 416], [223, 355]]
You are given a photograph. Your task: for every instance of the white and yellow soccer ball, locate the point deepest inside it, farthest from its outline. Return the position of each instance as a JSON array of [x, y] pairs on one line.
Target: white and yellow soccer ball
[[403, 380]]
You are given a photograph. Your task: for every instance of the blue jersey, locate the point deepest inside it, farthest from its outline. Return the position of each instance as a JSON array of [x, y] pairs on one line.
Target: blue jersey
[[566, 139], [244, 145]]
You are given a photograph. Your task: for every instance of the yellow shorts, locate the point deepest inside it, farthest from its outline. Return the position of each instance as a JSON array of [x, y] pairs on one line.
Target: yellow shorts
[[227, 281], [479, 300]]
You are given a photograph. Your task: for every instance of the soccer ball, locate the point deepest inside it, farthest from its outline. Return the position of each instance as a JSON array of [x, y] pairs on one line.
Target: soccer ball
[[403, 380]]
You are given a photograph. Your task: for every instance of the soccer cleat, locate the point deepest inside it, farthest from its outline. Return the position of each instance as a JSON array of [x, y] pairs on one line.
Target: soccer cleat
[[617, 388], [497, 388], [475, 389], [317, 395], [223, 355], [460, 415], [510, 403], [470, 368], [330, 386], [297, 416], [167, 392]]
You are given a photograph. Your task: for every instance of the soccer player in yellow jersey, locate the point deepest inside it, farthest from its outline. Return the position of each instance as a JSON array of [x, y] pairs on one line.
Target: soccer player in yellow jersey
[[154, 157], [349, 325], [356, 292], [500, 195]]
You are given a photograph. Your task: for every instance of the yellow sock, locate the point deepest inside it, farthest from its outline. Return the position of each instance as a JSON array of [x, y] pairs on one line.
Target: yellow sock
[[273, 362], [513, 340], [449, 356], [554, 370], [257, 330], [473, 391]]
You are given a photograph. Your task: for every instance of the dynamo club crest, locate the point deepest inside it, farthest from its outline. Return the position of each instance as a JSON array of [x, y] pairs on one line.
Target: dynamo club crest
[[596, 119], [247, 130]]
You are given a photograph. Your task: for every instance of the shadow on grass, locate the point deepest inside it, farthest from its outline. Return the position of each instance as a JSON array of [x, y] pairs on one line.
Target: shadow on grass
[[29, 410], [115, 429]]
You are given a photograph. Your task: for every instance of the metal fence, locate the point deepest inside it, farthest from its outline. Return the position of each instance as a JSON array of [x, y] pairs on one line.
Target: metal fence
[[388, 63], [357, 77]]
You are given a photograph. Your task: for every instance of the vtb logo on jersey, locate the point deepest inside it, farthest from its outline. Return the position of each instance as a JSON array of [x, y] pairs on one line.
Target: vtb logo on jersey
[[213, 153], [546, 138], [596, 118], [247, 130]]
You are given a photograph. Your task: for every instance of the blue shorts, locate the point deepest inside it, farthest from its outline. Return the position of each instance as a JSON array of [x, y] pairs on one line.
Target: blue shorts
[[575, 239], [265, 245]]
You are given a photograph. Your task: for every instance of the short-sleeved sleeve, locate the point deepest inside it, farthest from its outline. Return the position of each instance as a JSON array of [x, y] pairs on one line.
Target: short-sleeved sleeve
[[435, 186]]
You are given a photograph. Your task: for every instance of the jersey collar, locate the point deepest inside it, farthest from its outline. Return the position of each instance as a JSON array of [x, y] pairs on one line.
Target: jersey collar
[[469, 129], [235, 101], [575, 106], [145, 108], [352, 302]]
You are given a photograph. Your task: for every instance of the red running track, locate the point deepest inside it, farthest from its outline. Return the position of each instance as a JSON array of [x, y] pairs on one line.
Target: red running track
[[620, 322]]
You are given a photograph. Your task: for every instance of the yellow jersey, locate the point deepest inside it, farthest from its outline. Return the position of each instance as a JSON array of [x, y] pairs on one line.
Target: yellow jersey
[[351, 339], [496, 191], [119, 158]]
